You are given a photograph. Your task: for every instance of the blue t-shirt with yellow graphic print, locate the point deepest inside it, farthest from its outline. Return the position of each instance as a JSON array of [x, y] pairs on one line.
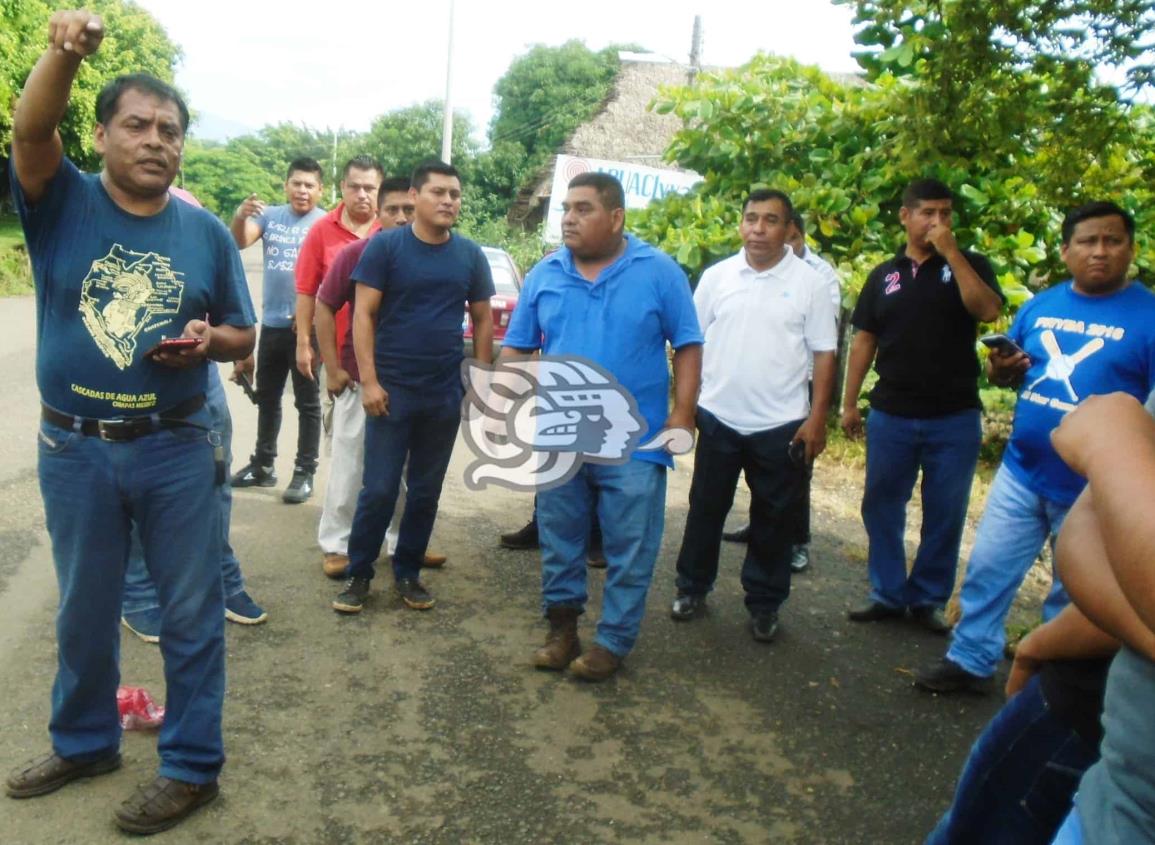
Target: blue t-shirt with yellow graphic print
[[1079, 346], [110, 285]]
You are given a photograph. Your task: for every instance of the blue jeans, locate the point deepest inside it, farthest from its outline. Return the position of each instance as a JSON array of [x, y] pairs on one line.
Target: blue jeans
[[426, 439], [139, 589], [946, 449], [93, 493], [1014, 527], [1020, 778], [1071, 833], [630, 501]]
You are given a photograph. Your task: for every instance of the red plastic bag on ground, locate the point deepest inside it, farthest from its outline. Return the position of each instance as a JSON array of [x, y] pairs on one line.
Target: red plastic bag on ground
[[138, 711]]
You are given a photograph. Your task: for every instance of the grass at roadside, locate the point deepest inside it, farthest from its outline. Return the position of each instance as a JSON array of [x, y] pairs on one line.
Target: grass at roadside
[[15, 272]]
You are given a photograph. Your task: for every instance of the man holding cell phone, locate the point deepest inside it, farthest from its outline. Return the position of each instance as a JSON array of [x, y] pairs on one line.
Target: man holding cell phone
[[125, 436], [763, 305], [1092, 334]]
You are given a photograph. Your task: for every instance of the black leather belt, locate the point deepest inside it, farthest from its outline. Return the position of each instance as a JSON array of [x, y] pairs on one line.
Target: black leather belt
[[125, 428]]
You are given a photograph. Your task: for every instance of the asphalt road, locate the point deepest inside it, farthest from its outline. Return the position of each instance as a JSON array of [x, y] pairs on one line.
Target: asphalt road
[[406, 727]]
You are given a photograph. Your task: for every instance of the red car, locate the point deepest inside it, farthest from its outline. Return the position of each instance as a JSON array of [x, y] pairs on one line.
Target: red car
[[507, 284]]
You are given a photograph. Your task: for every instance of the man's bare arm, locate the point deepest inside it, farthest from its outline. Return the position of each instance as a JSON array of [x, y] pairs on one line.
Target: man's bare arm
[[687, 383], [373, 395], [862, 350], [36, 146], [306, 309], [325, 322], [244, 228], [481, 314]]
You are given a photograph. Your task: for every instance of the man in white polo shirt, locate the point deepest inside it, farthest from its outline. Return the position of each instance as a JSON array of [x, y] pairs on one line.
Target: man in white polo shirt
[[763, 311]]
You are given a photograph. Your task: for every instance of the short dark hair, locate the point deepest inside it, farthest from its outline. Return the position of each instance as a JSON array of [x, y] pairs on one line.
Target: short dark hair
[[108, 100], [425, 169], [609, 189], [767, 194], [1099, 208], [363, 162], [798, 221], [389, 186], [304, 164], [925, 189]]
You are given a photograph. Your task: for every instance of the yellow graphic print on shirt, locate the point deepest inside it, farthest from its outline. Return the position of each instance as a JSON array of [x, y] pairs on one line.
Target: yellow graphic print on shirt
[[123, 295]]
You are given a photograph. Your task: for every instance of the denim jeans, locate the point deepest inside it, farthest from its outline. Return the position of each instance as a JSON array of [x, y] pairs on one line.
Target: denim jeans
[[1020, 778], [93, 493], [1014, 527], [630, 502], [777, 487], [1071, 833], [276, 361], [425, 439], [946, 449], [139, 589]]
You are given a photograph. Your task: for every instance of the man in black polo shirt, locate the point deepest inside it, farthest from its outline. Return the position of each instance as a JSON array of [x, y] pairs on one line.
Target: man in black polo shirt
[[918, 313]]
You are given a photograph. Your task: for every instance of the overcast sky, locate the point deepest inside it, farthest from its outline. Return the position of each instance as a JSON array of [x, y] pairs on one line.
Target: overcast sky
[[342, 62]]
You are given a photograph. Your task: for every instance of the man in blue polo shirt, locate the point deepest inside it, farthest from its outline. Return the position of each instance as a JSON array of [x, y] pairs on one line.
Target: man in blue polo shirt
[[125, 436], [613, 299], [1090, 335], [411, 282]]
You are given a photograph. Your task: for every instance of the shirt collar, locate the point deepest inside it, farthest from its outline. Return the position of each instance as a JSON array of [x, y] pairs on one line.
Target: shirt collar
[[776, 270]]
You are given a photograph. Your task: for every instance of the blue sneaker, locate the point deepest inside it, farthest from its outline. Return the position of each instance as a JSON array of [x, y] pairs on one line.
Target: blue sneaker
[[243, 610], [144, 623]]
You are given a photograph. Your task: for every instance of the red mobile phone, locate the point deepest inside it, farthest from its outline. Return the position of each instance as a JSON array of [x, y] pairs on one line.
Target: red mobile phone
[[175, 344]]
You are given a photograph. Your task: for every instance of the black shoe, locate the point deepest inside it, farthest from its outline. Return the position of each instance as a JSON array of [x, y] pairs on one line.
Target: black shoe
[[596, 557], [253, 474], [742, 535], [299, 489], [875, 611], [352, 598], [414, 594], [800, 558], [764, 627], [931, 618], [523, 538], [946, 676], [687, 606]]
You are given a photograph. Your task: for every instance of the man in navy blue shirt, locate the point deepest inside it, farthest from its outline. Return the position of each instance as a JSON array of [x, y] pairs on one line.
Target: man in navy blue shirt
[[411, 282], [125, 436]]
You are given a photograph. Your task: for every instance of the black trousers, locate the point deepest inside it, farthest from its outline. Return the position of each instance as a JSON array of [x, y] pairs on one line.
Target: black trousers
[[276, 360], [776, 484]]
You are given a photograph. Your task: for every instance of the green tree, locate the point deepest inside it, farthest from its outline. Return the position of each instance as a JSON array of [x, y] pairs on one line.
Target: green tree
[[222, 175], [134, 42], [402, 138]]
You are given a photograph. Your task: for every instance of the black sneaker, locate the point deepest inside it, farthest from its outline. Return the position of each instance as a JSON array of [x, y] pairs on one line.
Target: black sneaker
[[414, 594], [946, 676], [742, 535], [352, 599], [253, 474], [299, 489], [764, 627], [686, 607], [523, 538]]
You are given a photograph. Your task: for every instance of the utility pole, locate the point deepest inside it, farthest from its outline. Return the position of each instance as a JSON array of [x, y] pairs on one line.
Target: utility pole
[[447, 118], [696, 49], [333, 184]]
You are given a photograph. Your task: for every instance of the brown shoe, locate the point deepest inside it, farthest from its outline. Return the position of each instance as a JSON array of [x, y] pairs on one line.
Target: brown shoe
[[161, 804], [335, 565], [433, 561], [597, 664], [561, 643], [48, 773]]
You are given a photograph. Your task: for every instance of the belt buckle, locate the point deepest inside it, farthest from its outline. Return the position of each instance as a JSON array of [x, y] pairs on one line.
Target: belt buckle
[[112, 431]]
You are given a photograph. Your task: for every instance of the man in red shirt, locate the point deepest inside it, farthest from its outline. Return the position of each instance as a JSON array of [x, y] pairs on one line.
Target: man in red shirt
[[355, 217]]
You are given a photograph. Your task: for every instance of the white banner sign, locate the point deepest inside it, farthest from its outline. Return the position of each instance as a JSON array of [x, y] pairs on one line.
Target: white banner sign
[[641, 184]]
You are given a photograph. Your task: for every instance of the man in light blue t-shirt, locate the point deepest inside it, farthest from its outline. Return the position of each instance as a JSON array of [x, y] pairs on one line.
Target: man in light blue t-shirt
[[282, 228], [1091, 335]]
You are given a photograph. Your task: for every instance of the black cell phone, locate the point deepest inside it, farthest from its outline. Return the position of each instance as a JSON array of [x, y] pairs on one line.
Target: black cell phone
[[246, 384], [1000, 343], [796, 451]]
